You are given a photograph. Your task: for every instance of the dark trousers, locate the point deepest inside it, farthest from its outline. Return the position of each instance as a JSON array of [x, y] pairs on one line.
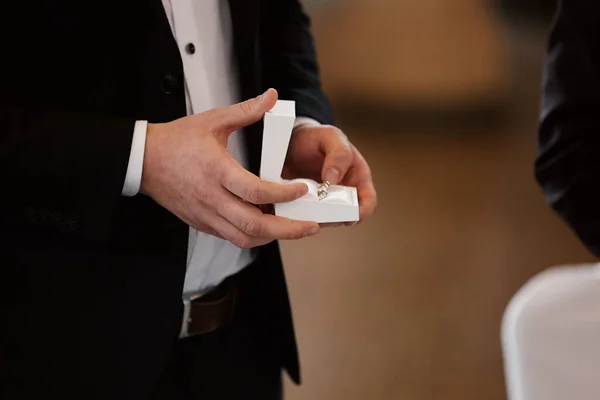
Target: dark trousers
[[232, 363]]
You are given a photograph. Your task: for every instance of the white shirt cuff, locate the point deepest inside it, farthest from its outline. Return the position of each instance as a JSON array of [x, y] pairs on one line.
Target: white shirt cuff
[[305, 121], [133, 178]]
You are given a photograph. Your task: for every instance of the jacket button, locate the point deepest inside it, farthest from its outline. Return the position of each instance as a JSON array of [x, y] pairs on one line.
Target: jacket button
[[31, 214], [169, 84], [72, 225], [190, 48]]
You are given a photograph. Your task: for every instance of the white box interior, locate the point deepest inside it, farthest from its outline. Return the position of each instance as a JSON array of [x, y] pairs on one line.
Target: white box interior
[[341, 203]]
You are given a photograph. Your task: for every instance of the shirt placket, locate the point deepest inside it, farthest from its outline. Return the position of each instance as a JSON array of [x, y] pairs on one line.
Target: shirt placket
[[196, 82]]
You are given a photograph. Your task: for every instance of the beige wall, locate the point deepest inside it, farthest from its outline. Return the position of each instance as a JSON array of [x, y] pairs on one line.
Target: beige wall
[[410, 51]]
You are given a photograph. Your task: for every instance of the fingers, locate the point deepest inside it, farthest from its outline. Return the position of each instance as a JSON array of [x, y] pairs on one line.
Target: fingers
[[367, 199], [331, 224], [237, 116], [338, 155], [256, 225], [252, 189], [359, 175], [227, 231]]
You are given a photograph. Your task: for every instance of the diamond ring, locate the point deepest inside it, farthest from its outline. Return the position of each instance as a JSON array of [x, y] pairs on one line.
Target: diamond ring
[[322, 190]]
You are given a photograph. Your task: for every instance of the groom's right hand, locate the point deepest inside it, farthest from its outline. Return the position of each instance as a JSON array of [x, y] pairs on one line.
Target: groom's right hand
[[188, 170]]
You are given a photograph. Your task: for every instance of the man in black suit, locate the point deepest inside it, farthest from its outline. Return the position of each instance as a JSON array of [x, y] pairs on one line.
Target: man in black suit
[[126, 184], [568, 162]]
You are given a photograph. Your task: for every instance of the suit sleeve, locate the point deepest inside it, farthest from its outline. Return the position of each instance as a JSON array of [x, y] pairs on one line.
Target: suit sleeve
[[61, 172], [568, 161], [289, 60]]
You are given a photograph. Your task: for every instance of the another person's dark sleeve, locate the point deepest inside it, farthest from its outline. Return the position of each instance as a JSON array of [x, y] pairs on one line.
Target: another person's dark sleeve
[[568, 162]]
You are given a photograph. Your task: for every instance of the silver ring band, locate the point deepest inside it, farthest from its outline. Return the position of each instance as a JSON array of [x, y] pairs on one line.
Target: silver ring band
[[322, 190]]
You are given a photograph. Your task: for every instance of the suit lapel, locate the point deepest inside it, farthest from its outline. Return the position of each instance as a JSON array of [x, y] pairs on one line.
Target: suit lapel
[[245, 19]]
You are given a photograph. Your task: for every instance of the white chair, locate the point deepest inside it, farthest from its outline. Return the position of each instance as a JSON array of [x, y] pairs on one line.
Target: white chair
[[551, 336]]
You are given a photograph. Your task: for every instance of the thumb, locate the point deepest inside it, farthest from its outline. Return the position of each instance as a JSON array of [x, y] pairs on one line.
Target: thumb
[[245, 113], [339, 156]]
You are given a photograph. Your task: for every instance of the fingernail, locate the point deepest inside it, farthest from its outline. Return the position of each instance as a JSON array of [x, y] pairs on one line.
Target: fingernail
[[332, 175], [313, 230], [304, 190]]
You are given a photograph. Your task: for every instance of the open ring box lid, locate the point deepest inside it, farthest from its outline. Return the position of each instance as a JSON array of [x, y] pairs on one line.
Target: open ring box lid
[[341, 202]]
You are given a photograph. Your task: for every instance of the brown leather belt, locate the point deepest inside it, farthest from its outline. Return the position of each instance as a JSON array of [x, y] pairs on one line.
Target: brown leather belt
[[212, 310]]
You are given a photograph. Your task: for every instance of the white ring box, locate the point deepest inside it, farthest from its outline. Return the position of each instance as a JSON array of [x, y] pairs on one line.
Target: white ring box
[[341, 202]]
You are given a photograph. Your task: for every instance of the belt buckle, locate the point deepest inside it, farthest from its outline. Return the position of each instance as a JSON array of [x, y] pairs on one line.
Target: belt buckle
[[223, 306], [187, 307]]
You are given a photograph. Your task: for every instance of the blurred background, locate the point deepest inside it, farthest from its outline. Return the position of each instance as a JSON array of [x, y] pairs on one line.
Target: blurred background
[[441, 96]]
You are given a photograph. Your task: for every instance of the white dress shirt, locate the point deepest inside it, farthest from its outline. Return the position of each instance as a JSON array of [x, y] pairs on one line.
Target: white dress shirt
[[210, 81]]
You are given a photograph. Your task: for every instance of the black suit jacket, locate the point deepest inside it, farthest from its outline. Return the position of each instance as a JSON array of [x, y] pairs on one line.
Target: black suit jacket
[[90, 281], [568, 162]]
